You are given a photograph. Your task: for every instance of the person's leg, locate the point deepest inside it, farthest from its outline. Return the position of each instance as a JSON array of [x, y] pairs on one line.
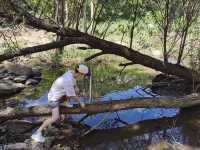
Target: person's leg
[[55, 116], [37, 136]]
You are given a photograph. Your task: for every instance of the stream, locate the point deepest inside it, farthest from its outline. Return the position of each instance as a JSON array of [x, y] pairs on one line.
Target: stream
[[132, 129], [108, 124]]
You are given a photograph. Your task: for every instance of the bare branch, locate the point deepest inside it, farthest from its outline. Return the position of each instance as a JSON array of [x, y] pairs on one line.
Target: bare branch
[[39, 48], [81, 5], [94, 56], [84, 48], [126, 64], [110, 47]]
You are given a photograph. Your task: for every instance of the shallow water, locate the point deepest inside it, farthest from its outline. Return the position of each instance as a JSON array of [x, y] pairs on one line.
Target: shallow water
[[115, 119], [114, 130], [113, 133]]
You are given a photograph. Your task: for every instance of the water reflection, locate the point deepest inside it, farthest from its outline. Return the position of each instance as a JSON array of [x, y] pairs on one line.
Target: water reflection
[[138, 142], [180, 129], [115, 119], [128, 129]]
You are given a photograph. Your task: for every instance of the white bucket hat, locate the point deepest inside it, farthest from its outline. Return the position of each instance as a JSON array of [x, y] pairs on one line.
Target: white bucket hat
[[83, 69]]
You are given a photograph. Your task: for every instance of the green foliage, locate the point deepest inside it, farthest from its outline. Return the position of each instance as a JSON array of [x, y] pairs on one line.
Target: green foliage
[[105, 78], [48, 76], [41, 8], [73, 52], [115, 18]]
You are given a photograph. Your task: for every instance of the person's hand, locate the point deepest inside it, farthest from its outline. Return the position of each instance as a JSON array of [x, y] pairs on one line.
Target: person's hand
[[62, 117], [82, 105]]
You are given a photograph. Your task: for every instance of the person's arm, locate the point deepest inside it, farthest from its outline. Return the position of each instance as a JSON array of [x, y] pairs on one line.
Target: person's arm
[[71, 93], [77, 98], [77, 91]]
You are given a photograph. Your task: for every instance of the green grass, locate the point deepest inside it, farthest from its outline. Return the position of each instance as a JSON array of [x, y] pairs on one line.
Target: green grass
[[105, 69], [106, 76]]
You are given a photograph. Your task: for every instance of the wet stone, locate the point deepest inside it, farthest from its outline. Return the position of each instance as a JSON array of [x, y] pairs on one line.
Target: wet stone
[[2, 76], [37, 71], [3, 70], [20, 79], [19, 69], [31, 82], [13, 76], [8, 87], [8, 78]]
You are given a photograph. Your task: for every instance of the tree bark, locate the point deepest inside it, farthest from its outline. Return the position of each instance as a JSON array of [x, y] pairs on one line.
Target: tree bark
[[103, 106], [111, 48], [39, 48], [60, 20]]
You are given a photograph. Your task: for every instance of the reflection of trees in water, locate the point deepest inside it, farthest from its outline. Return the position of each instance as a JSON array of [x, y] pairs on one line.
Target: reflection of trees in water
[[192, 134], [140, 142], [111, 123], [185, 135], [181, 129]]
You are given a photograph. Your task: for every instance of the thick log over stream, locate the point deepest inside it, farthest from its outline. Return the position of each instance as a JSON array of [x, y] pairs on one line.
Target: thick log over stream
[[104, 106]]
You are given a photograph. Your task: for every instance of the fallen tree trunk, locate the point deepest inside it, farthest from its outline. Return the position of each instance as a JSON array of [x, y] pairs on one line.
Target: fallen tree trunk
[[101, 107], [107, 47], [40, 48]]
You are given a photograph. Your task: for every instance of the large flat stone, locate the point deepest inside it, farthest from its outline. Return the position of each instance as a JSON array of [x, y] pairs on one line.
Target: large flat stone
[[17, 69], [8, 87]]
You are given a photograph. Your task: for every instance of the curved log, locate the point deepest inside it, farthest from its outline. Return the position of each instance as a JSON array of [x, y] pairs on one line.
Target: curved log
[[103, 106], [108, 47]]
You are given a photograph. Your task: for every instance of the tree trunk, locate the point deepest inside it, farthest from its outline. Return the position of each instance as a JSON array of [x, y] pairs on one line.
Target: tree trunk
[[92, 14], [85, 16], [110, 48], [103, 106], [60, 19]]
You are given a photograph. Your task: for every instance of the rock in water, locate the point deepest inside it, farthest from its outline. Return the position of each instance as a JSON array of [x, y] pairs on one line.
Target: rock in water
[[8, 87]]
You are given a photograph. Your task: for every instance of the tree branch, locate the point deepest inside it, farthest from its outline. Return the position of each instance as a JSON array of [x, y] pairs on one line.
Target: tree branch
[[39, 48], [126, 64], [111, 47], [94, 56]]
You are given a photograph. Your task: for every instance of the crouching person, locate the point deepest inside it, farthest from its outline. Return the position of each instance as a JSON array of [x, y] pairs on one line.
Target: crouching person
[[62, 86]]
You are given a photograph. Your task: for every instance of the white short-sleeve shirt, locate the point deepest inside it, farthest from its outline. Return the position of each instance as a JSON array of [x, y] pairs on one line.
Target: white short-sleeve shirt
[[64, 85]]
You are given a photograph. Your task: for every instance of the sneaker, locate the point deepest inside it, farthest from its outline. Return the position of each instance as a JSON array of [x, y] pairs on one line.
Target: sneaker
[[38, 137]]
